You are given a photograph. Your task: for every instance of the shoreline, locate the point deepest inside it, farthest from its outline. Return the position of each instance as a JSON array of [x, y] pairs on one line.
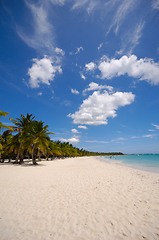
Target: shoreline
[[78, 198], [129, 165]]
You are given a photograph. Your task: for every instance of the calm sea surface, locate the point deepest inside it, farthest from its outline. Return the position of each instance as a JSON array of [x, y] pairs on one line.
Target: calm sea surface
[[147, 162]]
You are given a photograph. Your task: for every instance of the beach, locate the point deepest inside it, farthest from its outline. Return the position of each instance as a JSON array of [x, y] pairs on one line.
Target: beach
[[78, 199]]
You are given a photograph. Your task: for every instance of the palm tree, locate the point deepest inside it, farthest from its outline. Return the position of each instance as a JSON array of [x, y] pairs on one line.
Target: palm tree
[[3, 114], [22, 127], [6, 140], [38, 138]]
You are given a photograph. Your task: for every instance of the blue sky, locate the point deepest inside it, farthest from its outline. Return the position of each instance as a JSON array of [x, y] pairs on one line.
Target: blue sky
[[88, 68]]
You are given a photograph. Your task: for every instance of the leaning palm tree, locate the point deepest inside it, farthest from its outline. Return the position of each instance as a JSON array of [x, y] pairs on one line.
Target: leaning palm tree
[[38, 138], [22, 127]]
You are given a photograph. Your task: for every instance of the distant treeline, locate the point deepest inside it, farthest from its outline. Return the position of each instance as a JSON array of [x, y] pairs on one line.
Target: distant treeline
[[29, 138]]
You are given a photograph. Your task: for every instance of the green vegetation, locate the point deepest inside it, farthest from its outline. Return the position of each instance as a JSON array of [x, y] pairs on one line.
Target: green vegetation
[[29, 138]]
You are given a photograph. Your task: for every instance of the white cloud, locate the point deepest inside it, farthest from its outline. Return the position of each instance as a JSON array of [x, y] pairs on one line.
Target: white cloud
[[94, 141], [89, 5], [59, 51], [92, 5], [84, 127], [79, 3], [100, 46], [146, 135], [156, 126], [74, 140], [79, 49], [122, 11], [135, 137], [95, 86], [74, 130], [144, 69], [136, 35], [58, 2], [67, 103], [90, 66], [40, 93], [42, 71], [121, 139], [74, 91], [131, 38], [99, 106], [155, 4], [41, 36], [120, 52], [82, 76], [151, 130], [149, 136]]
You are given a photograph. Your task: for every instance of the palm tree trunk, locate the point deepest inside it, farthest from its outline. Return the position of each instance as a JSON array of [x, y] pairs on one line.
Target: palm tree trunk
[[18, 154], [39, 154], [21, 159], [32, 154]]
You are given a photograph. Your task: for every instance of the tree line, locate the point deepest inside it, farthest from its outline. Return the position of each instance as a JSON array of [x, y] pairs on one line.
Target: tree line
[[29, 138]]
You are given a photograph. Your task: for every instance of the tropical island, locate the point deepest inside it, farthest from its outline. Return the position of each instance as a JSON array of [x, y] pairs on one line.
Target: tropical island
[[29, 139]]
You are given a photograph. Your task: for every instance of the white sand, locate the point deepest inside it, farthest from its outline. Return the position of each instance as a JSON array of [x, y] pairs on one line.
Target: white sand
[[75, 199]]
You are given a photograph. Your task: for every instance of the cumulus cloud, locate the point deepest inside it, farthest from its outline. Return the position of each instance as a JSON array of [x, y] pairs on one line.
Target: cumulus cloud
[[144, 69], [74, 130], [74, 91], [42, 71], [74, 140], [84, 127], [95, 86], [99, 106], [90, 66]]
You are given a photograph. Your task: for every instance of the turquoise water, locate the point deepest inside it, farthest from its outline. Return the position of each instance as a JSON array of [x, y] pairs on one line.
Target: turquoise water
[[147, 162]]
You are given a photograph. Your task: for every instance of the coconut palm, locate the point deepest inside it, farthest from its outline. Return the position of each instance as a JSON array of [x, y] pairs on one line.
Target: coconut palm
[[3, 114], [22, 127], [6, 140], [38, 138]]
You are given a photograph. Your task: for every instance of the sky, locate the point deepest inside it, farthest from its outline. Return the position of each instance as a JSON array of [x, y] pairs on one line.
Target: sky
[[87, 68]]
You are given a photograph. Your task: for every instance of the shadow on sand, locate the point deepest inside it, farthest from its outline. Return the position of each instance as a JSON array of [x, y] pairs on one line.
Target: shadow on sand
[[25, 164]]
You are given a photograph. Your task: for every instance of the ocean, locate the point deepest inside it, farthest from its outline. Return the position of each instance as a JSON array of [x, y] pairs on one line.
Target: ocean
[[146, 162]]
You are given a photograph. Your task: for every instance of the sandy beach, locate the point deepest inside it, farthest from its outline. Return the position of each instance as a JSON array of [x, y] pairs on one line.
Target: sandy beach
[[78, 199]]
